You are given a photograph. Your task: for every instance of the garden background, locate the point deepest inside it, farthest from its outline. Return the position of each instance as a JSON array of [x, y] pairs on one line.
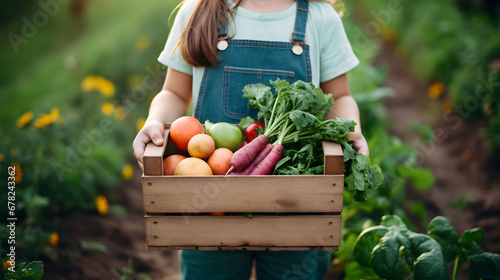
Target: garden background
[[78, 76]]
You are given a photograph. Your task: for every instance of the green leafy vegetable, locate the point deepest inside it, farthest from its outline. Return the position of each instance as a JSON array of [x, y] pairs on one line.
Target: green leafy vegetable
[[295, 117], [392, 251]]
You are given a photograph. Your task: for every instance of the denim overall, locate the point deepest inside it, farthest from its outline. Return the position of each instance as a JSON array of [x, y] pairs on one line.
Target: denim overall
[[220, 100], [250, 61]]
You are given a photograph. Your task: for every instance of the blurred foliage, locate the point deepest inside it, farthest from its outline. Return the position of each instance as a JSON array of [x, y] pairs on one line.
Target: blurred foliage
[[398, 160], [453, 42], [77, 79]]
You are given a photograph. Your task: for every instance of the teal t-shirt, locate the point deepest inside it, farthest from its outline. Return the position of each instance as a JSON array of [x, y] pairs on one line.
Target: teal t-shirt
[[330, 50]]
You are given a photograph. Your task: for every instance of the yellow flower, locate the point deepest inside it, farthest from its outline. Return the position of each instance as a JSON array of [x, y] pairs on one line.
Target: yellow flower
[[140, 123], [435, 90], [142, 43], [54, 114], [93, 82], [24, 119], [18, 177], [119, 112], [107, 108], [54, 239], [6, 264], [106, 87], [1, 157], [88, 83], [127, 172], [43, 121], [102, 204]]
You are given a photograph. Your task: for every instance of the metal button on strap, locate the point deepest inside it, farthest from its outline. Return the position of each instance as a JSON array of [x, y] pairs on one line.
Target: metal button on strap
[[222, 45], [297, 49]]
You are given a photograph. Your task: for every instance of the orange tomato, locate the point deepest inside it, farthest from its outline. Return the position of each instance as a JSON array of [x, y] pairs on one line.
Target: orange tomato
[[170, 162], [183, 129], [219, 161]]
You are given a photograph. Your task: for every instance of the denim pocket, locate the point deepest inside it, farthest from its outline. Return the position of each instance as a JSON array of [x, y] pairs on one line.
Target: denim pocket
[[236, 78]]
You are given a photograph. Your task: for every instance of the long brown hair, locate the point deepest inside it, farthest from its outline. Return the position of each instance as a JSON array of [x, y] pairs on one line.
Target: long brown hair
[[198, 40]]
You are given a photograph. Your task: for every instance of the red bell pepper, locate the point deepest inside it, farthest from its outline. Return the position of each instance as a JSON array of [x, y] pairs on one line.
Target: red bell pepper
[[250, 132]]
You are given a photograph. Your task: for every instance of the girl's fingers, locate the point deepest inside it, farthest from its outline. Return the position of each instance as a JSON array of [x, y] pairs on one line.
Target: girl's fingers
[[361, 147], [150, 132]]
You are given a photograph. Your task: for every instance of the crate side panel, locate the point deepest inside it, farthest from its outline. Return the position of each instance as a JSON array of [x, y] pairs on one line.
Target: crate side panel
[[192, 194], [334, 158], [268, 231], [153, 156]]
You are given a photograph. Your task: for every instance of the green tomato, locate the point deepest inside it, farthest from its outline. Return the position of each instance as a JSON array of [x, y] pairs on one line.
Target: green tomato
[[226, 135], [208, 125]]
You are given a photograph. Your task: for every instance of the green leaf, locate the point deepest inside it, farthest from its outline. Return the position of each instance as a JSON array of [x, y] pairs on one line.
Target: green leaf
[[470, 236], [443, 232], [486, 265], [94, 246], [422, 178], [31, 271], [366, 241], [418, 208], [246, 122], [393, 221], [355, 271], [386, 259], [302, 119], [430, 262]]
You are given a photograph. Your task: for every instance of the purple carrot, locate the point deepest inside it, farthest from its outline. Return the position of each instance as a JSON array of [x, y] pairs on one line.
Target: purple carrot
[[260, 157], [247, 153], [266, 166]]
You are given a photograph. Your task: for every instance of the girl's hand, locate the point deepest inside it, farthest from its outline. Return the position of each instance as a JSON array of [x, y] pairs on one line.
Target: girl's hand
[[152, 131], [359, 143]]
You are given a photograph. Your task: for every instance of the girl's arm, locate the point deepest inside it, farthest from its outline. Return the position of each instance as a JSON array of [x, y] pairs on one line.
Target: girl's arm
[[172, 102], [346, 107]]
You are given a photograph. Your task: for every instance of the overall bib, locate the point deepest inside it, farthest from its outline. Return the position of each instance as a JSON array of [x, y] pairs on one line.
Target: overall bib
[[249, 61], [243, 62]]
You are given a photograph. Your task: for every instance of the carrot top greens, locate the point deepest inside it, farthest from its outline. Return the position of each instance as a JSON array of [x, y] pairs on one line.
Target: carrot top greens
[[295, 117]]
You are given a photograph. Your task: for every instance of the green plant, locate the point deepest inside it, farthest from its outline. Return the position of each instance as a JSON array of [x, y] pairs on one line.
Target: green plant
[[393, 251], [127, 273], [30, 271]]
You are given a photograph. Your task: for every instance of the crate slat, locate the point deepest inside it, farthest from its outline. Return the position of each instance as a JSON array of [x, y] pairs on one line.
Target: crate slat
[[334, 158], [153, 156], [260, 231], [254, 248], [194, 194]]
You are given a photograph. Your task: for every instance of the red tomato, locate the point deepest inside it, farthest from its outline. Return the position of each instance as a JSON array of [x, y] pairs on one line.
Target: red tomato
[[250, 132], [183, 129]]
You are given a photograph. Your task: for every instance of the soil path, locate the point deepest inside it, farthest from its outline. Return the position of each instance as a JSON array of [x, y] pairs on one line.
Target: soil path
[[463, 165]]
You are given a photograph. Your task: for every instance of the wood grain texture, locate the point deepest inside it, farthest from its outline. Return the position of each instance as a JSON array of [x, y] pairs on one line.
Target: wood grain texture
[[334, 158], [260, 231], [153, 156], [271, 193], [255, 248]]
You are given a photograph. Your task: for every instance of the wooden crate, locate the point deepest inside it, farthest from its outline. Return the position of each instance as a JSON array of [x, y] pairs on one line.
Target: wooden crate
[[177, 208]]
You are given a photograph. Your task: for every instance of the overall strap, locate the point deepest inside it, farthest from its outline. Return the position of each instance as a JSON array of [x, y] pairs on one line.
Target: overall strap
[[299, 30], [223, 32]]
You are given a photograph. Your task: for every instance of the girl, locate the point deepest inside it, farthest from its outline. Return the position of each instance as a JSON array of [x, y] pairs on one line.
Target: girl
[[214, 49]]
